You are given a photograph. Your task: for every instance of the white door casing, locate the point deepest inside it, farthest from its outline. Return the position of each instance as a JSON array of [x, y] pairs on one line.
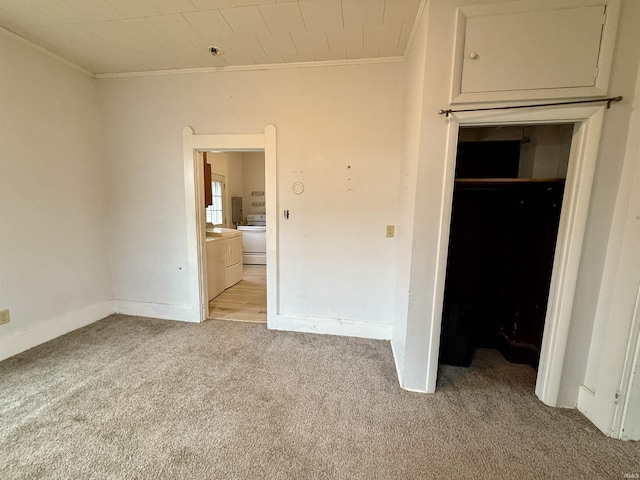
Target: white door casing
[[582, 162], [194, 196]]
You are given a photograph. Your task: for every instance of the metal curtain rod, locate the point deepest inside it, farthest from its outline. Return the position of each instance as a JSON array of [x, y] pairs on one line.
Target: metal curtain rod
[[609, 101]]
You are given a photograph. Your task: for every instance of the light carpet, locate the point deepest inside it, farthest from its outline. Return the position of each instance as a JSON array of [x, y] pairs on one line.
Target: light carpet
[[138, 398]]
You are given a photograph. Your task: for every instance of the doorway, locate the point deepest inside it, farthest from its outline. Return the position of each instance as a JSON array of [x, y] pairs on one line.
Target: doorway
[[575, 207], [508, 190], [193, 146], [236, 280]]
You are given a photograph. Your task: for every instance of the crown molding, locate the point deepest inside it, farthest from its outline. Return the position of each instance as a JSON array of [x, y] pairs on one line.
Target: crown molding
[[244, 68], [46, 52], [416, 22]]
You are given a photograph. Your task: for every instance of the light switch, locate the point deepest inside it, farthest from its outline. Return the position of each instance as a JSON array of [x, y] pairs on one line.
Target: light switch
[[4, 317], [391, 230]]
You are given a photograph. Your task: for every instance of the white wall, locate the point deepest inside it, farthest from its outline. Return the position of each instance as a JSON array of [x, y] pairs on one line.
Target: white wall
[[53, 212], [253, 180], [335, 262], [593, 287], [613, 351], [412, 124], [548, 152], [244, 173], [426, 154], [220, 162]]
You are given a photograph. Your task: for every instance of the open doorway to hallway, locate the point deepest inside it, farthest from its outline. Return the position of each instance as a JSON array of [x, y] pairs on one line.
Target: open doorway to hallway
[[235, 229], [507, 199]]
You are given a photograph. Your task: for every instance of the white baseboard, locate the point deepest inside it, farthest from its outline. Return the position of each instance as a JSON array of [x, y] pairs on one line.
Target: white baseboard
[[395, 360], [46, 330], [254, 259], [330, 326], [593, 409], [586, 400], [164, 311], [400, 377]]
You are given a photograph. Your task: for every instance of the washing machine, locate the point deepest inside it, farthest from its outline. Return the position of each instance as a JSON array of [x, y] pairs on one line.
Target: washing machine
[[233, 240]]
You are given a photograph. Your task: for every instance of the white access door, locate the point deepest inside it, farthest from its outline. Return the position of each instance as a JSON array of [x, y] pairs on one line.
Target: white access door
[[532, 50]]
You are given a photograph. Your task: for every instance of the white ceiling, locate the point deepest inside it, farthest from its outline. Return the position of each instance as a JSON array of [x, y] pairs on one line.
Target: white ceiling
[[116, 36]]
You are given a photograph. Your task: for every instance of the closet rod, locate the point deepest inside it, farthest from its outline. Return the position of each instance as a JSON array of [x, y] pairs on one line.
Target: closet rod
[[609, 101]]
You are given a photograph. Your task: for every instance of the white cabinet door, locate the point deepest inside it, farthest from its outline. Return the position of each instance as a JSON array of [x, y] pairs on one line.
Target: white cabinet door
[[532, 50], [521, 50]]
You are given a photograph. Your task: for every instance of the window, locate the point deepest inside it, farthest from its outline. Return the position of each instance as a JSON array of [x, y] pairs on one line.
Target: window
[[214, 212]]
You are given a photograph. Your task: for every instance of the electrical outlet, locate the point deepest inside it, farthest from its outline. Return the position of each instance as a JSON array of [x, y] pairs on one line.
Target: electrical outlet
[[391, 230], [4, 317]]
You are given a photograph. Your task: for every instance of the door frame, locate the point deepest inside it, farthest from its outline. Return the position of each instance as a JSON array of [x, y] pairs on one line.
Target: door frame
[[573, 217], [195, 213]]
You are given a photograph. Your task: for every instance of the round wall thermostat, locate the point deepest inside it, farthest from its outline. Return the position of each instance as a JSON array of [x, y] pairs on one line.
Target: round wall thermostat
[[298, 188]]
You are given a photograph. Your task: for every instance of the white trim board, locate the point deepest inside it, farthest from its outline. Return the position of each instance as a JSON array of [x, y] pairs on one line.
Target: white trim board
[[395, 359], [582, 162], [164, 311], [54, 327], [416, 22], [331, 326], [244, 68]]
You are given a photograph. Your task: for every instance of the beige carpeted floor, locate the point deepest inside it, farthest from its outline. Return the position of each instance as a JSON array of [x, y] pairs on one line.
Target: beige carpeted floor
[[135, 398]]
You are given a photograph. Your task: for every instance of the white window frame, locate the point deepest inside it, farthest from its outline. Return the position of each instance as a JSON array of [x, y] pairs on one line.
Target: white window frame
[[216, 178]]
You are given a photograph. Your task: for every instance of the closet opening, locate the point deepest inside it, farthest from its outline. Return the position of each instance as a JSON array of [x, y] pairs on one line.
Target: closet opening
[[507, 200]]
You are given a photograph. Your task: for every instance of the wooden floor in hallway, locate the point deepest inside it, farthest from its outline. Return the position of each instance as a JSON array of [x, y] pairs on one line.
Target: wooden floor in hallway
[[246, 301]]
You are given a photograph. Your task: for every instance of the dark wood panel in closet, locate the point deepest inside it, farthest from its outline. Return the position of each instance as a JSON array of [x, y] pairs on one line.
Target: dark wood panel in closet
[[501, 249]]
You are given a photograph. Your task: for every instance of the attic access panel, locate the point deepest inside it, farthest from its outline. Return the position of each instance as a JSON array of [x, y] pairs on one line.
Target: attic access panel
[[530, 52]]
